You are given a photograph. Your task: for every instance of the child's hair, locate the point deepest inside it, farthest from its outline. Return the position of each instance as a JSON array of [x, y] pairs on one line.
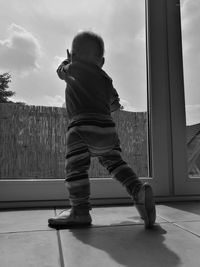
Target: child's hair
[[88, 45]]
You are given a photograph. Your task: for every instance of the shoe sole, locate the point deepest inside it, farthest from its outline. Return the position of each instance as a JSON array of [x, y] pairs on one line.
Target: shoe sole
[[72, 225], [147, 207]]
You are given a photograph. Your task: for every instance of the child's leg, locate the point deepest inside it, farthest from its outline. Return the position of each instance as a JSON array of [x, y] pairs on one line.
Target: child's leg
[[76, 166], [77, 183], [142, 194], [116, 166]]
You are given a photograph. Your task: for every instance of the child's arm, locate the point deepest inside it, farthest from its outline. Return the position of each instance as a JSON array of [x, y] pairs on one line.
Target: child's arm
[[115, 101], [63, 68]]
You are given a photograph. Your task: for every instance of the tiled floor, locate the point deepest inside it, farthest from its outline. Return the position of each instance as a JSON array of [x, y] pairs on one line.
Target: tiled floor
[[117, 238]]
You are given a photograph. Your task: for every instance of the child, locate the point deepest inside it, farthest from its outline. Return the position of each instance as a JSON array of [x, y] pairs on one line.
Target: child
[[90, 99]]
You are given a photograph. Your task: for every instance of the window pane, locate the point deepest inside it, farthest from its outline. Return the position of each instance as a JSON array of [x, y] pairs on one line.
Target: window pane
[[190, 13], [33, 136]]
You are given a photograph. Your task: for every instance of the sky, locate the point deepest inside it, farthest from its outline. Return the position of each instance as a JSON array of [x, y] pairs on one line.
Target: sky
[[34, 36]]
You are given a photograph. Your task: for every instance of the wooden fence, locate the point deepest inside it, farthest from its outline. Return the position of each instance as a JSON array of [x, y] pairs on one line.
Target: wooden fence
[[33, 142]]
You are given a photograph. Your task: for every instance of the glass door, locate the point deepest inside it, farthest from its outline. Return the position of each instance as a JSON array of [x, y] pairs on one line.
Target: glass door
[[190, 19], [33, 134]]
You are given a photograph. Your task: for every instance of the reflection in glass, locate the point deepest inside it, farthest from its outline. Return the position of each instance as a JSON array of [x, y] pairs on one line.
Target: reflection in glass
[[190, 20]]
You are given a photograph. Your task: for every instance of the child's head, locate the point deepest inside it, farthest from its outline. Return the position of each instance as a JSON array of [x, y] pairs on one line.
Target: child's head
[[88, 46]]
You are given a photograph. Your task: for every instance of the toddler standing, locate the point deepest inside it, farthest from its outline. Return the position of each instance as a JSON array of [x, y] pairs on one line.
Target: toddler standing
[[90, 100]]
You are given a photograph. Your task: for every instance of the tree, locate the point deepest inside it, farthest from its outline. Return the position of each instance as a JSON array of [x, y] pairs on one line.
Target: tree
[[5, 79]]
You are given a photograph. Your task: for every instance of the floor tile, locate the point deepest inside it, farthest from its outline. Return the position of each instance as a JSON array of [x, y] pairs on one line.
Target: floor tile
[[117, 216], [128, 246], [123, 215], [193, 227], [192, 207], [25, 220], [30, 249], [177, 212]]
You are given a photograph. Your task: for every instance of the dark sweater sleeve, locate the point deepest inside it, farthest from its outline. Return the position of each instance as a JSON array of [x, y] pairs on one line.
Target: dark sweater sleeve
[[115, 100], [63, 69]]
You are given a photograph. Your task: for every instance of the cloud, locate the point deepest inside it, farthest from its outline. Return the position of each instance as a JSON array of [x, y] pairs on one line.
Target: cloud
[[190, 14], [54, 101], [141, 37], [18, 99], [57, 61], [192, 114], [20, 51], [128, 107]]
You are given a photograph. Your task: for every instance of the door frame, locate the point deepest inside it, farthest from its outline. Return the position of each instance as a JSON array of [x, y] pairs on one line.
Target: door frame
[[167, 131]]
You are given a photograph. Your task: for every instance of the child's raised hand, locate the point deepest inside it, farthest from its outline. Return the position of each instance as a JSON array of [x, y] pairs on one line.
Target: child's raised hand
[[68, 55]]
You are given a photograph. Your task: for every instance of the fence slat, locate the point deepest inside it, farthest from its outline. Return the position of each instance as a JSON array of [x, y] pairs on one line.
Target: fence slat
[[33, 142]]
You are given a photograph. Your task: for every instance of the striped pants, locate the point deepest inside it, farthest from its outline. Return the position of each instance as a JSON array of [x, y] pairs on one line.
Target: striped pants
[[84, 142]]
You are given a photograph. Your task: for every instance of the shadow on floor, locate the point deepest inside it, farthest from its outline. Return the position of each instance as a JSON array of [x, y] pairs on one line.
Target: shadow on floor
[[192, 207], [130, 246]]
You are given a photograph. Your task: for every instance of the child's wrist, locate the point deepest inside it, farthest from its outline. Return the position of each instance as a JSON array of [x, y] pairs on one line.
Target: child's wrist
[[66, 62]]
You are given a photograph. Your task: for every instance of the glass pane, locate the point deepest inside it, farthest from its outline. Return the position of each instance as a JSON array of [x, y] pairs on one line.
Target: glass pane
[[190, 16], [33, 134]]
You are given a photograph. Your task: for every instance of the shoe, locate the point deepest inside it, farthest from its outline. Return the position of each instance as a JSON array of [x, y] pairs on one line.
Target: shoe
[[145, 205], [71, 218]]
